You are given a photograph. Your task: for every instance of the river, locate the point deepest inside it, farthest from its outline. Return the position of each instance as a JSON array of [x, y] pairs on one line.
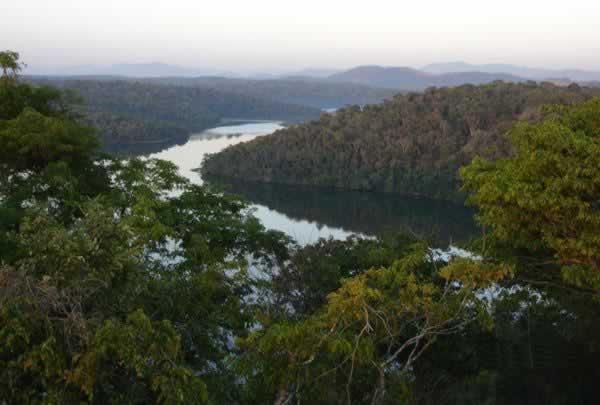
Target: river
[[308, 213]]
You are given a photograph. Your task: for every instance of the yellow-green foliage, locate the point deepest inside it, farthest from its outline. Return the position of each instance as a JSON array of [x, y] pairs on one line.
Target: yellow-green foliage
[[545, 197], [367, 337]]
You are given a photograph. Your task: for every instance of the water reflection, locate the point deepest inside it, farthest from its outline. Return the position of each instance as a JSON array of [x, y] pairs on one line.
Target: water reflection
[[307, 214], [189, 155], [361, 212]]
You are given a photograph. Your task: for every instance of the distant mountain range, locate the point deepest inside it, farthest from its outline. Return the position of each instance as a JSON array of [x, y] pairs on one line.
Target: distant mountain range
[[405, 78], [157, 69], [397, 78], [315, 72], [522, 71]]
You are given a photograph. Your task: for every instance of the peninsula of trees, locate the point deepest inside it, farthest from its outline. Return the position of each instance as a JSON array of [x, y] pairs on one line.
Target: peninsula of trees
[[412, 144]]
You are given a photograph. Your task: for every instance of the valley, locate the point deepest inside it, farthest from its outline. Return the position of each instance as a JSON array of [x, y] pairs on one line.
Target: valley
[[377, 235]]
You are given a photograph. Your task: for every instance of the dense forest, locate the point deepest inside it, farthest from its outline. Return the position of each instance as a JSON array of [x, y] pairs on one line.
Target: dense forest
[[413, 144], [132, 112], [121, 282], [317, 93]]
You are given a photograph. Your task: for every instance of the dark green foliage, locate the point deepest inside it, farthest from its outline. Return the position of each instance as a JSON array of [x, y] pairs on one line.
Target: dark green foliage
[[71, 324], [127, 297], [32, 141], [541, 350], [413, 144], [14, 98], [316, 93], [119, 133], [314, 271], [361, 345], [44, 156]]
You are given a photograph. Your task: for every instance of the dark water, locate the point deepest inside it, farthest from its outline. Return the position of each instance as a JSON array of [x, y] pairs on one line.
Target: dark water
[[308, 213], [361, 212]]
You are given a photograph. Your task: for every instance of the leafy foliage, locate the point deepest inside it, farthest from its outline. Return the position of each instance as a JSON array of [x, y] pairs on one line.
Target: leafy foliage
[[33, 141], [369, 333], [302, 284], [545, 198], [10, 65], [120, 282]]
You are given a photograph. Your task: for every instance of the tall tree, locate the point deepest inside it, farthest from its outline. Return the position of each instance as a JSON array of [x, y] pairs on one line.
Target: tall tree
[[10, 65], [545, 198]]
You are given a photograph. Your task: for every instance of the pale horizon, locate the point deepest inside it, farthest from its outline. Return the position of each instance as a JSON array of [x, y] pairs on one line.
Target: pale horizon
[[276, 37]]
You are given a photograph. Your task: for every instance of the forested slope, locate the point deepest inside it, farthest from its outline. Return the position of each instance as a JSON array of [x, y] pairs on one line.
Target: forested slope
[[413, 144], [317, 93], [130, 112]]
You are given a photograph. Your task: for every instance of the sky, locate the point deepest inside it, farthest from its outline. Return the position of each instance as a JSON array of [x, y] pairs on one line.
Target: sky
[[283, 35]]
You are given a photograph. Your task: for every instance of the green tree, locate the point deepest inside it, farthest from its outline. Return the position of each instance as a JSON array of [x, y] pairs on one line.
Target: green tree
[[544, 198], [10, 65], [120, 281], [71, 324]]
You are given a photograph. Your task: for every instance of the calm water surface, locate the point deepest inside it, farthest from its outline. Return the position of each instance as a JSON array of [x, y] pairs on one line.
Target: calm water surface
[[308, 213]]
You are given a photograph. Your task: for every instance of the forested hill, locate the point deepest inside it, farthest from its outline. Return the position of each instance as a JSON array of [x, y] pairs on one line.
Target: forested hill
[[317, 93], [405, 78], [131, 112], [413, 144]]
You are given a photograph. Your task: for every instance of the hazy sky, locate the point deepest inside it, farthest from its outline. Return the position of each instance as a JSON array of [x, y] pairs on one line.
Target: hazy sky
[[252, 35]]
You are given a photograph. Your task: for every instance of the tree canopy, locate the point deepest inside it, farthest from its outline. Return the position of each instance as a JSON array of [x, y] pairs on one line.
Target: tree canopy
[[545, 198], [115, 279]]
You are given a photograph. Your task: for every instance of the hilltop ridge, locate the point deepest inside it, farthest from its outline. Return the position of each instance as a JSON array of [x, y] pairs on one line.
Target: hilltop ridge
[[413, 144]]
